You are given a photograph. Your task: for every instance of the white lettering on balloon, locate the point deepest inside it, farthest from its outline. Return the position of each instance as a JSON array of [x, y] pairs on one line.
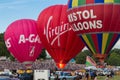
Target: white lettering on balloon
[[32, 38], [22, 39], [54, 33], [78, 25], [7, 42], [32, 51]]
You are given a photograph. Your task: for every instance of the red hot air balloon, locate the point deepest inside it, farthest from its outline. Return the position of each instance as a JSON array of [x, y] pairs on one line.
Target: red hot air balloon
[[22, 40], [56, 35], [97, 22]]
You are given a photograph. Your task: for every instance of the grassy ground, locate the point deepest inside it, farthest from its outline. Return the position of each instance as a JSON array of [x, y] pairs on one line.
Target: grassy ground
[[117, 77], [114, 78]]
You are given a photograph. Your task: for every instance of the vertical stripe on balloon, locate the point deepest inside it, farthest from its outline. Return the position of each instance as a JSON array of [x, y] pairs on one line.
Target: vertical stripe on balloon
[[84, 42], [91, 42], [70, 4], [88, 43], [75, 3], [108, 41], [104, 42], [116, 1], [89, 1], [95, 40], [109, 1], [113, 41], [81, 2], [99, 35], [99, 1]]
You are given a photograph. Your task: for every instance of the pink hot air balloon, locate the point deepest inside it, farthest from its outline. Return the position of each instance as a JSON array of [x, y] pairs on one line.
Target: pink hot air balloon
[[22, 40]]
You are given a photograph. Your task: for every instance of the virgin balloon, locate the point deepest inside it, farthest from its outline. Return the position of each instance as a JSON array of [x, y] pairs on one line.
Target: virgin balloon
[[97, 22], [22, 40], [56, 35]]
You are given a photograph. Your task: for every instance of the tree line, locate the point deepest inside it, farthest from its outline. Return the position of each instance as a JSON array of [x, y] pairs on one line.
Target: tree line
[[112, 59]]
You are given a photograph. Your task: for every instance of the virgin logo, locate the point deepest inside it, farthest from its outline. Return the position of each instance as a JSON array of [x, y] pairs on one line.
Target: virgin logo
[[53, 33]]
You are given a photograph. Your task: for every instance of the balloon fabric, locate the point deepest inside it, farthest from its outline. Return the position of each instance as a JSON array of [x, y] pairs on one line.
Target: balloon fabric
[[97, 23], [56, 35], [22, 40]]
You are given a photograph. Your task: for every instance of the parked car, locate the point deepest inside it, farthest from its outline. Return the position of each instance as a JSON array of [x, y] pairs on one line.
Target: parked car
[[103, 72], [4, 78], [63, 75], [106, 72]]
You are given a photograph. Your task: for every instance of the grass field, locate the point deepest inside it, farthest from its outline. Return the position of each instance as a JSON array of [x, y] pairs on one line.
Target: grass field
[[114, 78], [117, 77]]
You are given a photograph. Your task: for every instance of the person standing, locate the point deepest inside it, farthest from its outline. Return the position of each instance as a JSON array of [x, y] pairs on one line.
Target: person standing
[[57, 77], [87, 75], [107, 78], [95, 75]]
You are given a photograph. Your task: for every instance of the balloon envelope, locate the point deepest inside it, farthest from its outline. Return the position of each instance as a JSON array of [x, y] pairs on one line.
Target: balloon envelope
[[22, 40], [97, 23], [56, 35]]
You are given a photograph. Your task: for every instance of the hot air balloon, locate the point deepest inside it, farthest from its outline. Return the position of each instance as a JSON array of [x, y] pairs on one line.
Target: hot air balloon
[[22, 41], [56, 35], [97, 23]]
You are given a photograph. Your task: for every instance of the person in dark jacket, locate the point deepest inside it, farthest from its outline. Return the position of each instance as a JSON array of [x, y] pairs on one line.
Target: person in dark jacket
[[56, 77]]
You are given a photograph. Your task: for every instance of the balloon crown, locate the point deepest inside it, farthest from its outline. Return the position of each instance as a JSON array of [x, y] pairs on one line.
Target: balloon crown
[[75, 3]]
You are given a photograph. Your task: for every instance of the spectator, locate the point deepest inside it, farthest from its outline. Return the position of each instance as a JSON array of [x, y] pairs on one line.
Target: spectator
[[57, 77], [79, 77], [107, 78], [95, 75], [87, 76], [111, 73]]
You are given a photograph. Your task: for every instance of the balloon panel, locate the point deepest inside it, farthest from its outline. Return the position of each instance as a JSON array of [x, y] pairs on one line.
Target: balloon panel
[[95, 18], [96, 22], [100, 43], [22, 40], [76, 3]]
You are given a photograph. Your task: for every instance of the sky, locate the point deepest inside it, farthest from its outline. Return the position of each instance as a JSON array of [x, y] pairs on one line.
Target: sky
[[11, 10]]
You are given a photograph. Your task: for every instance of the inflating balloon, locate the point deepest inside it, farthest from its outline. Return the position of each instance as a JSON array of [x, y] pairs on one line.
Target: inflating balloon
[[97, 22], [56, 35], [22, 40]]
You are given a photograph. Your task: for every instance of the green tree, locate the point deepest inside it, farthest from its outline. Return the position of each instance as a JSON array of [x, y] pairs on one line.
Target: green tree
[[87, 52], [3, 49], [114, 59], [1, 37], [115, 50], [42, 55], [81, 57], [11, 58]]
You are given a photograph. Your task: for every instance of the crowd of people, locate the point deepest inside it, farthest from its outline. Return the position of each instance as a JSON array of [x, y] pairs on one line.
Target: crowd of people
[[49, 64], [39, 64]]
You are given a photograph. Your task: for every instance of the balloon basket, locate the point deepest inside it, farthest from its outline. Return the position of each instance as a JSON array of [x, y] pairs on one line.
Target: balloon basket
[[101, 58]]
